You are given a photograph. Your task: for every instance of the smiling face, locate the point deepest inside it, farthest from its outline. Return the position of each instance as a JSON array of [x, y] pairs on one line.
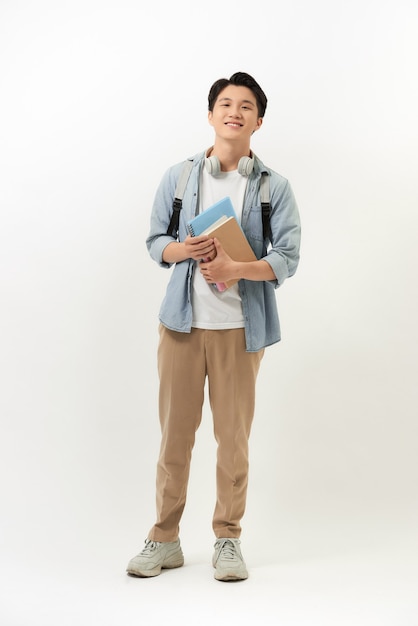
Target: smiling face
[[235, 114]]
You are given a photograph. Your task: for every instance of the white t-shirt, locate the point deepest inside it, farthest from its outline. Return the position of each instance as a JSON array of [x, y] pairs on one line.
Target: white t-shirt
[[213, 309]]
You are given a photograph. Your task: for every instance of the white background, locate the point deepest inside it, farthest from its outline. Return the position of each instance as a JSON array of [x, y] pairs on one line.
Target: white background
[[98, 98]]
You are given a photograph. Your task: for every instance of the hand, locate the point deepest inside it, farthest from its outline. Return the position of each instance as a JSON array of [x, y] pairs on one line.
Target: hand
[[199, 248], [221, 268]]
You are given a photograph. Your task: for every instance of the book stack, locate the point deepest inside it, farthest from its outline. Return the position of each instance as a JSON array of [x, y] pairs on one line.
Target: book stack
[[220, 221]]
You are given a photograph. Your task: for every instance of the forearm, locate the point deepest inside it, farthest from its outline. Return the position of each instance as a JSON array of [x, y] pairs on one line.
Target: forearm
[[254, 270], [223, 268], [196, 248], [175, 252]]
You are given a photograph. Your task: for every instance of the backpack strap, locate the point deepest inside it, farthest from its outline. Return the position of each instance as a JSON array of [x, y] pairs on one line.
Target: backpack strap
[[265, 203], [173, 228]]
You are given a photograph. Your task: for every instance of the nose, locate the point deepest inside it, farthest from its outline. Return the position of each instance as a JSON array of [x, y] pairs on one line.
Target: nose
[[235, 112]]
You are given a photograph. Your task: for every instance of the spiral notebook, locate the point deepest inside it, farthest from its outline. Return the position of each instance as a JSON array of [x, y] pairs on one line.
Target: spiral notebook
[[213, 215], [222, 208]]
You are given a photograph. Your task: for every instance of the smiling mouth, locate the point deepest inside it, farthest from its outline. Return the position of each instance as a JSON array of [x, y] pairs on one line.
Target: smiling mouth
[[234, 124]]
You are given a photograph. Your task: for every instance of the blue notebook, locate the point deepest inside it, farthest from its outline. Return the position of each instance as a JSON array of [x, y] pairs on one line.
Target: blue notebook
[[201, 222]]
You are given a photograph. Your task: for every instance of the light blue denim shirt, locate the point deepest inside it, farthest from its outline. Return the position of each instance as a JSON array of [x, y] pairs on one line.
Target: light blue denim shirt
[[262, 327]]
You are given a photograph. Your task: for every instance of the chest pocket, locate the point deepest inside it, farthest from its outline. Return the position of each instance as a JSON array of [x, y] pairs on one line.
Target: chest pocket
[[254, 232]]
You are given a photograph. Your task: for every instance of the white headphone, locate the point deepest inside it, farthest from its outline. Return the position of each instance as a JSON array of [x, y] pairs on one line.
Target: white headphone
[[245, 165]]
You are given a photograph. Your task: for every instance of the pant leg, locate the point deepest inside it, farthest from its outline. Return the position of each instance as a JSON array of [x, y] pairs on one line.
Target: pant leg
[[182, 372], [232, 375]]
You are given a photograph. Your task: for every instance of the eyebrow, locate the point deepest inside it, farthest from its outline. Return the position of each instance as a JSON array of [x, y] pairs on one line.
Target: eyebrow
[[243, 101]]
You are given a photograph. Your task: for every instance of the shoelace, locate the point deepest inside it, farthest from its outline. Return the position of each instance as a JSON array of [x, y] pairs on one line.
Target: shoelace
[[226, 550], [150, 546]]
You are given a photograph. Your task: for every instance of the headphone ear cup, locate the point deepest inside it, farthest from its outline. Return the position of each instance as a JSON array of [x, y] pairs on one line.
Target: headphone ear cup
[[213, 165], [245, 165]]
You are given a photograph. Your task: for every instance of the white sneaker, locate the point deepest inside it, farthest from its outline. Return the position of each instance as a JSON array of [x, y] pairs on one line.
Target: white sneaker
[[156, 556], [228, 561]]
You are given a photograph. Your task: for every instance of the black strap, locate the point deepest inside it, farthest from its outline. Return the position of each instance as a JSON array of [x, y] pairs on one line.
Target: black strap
[[265, 204], [265, 216], [173, 227]]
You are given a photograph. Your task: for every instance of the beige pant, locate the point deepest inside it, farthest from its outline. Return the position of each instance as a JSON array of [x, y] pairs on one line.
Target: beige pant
[[184, 361]]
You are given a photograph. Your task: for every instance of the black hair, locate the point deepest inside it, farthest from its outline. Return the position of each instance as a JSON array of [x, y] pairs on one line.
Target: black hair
[[241, 79]]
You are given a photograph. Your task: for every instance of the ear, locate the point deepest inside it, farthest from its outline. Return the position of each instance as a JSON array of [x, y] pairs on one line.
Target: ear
[[259, 123], [210, 117]]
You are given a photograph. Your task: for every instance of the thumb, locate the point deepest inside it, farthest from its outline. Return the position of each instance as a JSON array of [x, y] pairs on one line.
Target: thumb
[[218, 245]]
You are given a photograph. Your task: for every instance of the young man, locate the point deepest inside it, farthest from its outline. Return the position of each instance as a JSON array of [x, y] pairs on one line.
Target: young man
[[219, 335]]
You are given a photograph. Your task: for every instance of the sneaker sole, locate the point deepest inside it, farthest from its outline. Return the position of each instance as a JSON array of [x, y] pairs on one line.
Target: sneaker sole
[[156, 571], [230, 576]]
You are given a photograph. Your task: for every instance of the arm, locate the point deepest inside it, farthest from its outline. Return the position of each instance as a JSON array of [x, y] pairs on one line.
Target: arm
[[254, 270], [222, 268], [281, 260], [283, 253], [196, 248], [163, 247]]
